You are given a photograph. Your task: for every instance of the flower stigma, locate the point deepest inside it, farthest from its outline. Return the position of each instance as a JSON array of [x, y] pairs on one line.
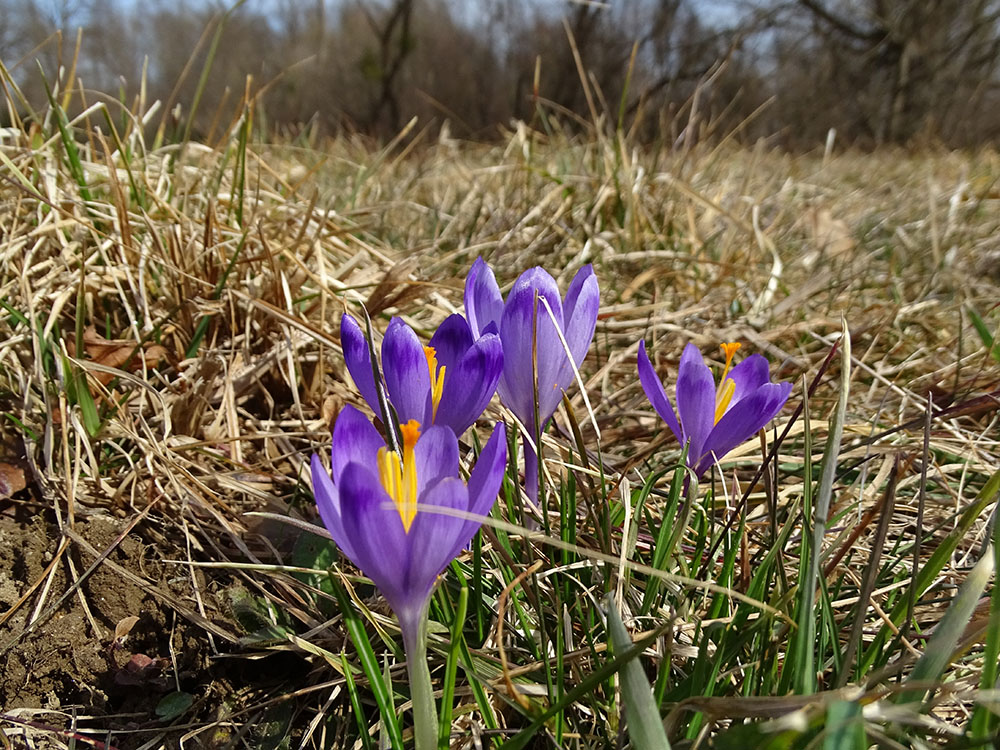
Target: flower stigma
[[398, 475], [726, 386], [437, 379]]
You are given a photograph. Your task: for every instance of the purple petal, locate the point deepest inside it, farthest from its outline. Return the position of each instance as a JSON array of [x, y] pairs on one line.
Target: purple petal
[[516, 387], [748, 376], [470, 383], [328, 504], [436, 455], [520, 340], [435, 537], [486, 478], [407, 379], [695, 400], [355, 440], [655, 393], [483, 303], [451, 341], [541, 281], [358, 358], [742, 421], [583, 300], [380, 547]]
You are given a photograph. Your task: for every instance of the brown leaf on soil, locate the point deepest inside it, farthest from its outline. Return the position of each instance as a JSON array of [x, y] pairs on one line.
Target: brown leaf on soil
[[124, 627], [11, 479]]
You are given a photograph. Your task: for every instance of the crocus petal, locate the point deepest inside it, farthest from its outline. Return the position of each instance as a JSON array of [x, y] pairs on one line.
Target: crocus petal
[[436, 456], [742, 421], [748, 376], [451, 341], [355, 440], [516, 386], [519, 336], [580, 312], [358, 358], [435, 537], [695, 399], [483, 303], [380, 547], [655, 392], [404, 366], [486, 478], [328, 503], [470, 383]]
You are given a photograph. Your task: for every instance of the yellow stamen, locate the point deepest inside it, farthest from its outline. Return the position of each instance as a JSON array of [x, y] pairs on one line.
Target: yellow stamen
[[399, 475], [726, 386], [437, 379]]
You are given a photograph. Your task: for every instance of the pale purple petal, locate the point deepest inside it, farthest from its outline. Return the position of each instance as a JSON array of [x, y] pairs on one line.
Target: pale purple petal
[[695, 400], [748, 376], [655, 392], [553, 370], [580, 312], [357, 357], [742, 422], [404, 367], [380, 546], [516, 386], [435, 537], [436, 456], [483, 303], [355, 440], [328, 504], [486, 478], [451, 341], [470, 383]]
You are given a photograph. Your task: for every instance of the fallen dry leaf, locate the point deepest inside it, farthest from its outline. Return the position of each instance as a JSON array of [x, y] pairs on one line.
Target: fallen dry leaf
[[116, 353]]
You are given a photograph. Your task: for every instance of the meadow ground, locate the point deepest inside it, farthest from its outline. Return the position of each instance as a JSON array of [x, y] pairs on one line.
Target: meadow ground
[[170, 360]]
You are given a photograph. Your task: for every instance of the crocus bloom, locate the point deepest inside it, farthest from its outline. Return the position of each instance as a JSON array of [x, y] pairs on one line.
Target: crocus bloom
[[450, 382], [714, 420], [378, 504], [531, 340]]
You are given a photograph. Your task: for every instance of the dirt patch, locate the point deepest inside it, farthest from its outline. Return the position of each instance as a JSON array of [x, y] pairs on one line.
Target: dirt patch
[[108, 649]]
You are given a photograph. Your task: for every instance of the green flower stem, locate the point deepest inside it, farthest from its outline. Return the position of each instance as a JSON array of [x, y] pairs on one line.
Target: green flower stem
[[425, 722]]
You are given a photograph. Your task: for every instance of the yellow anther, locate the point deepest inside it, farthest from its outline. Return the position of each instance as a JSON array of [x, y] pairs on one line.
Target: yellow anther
[[726, 385], [437, 379], [398, 475], [723, 399]]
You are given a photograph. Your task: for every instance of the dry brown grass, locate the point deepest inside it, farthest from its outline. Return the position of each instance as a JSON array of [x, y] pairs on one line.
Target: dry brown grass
[[170, 360]]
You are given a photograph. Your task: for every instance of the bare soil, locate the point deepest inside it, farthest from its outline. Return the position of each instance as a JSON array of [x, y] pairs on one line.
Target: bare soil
[[102, 655]]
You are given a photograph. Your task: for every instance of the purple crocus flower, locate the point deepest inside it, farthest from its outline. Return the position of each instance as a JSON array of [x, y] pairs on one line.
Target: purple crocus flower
[[531, 341], [450, 382], [378, 505], [714, 420]]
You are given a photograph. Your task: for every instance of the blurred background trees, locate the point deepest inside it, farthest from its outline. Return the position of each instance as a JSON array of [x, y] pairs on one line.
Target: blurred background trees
[[875, 71]]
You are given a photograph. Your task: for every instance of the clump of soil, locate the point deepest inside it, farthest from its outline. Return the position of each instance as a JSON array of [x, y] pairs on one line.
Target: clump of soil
[[114, 664]]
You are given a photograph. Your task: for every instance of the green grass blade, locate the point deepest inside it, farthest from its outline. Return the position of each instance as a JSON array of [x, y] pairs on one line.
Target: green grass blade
[[645, 727], [370, 665], [585, 687], [845, 727], [984, 722], [984, 333], [355, 698], [938, 654], [451, 668], [805, 641]]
